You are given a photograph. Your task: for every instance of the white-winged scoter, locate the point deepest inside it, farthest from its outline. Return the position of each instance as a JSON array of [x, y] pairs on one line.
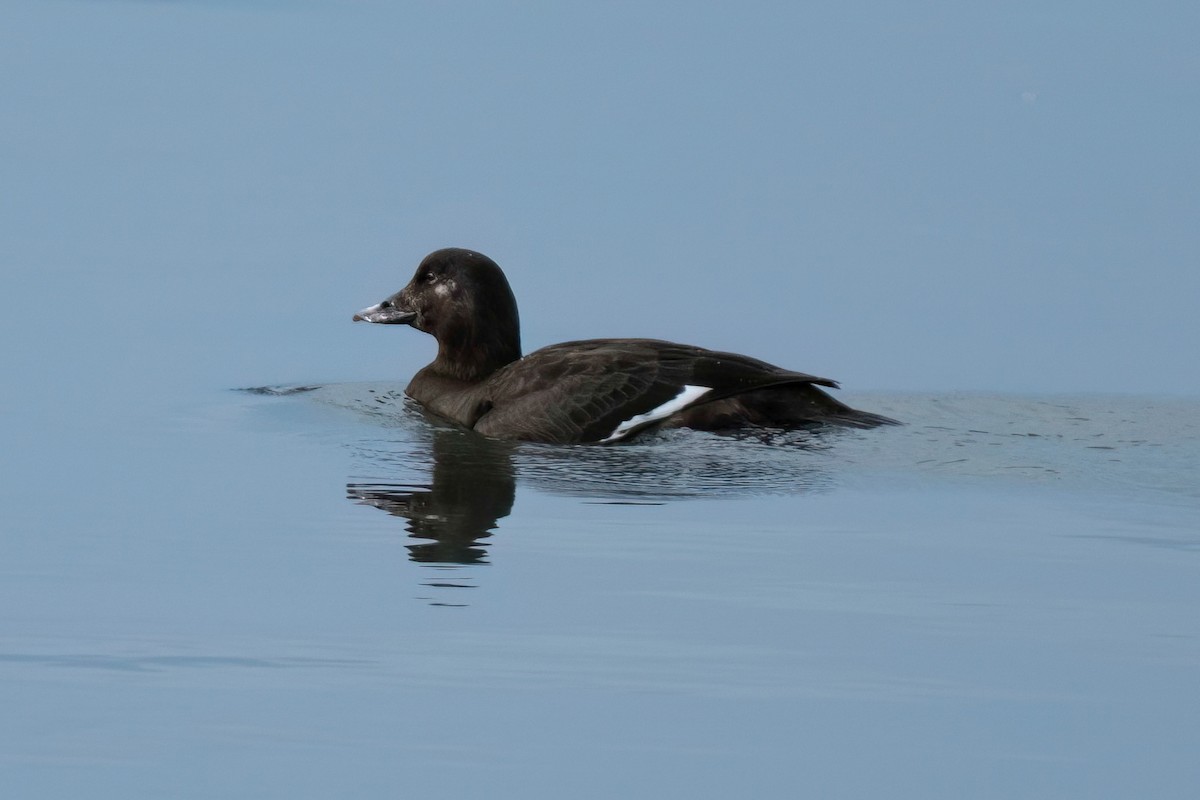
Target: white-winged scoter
[[600, 390]]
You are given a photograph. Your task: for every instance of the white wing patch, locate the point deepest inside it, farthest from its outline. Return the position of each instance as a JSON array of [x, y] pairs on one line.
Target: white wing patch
[[681, 401]]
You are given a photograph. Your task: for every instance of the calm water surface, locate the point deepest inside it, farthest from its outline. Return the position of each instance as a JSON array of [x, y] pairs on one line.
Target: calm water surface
[[208, 592], [315, 591]]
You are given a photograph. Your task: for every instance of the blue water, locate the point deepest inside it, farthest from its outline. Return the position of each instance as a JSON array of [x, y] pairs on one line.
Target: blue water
[[209, 592], [323, 593]]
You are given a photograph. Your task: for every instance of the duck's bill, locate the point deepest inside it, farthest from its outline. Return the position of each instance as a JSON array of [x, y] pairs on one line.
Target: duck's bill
[[385, 314]]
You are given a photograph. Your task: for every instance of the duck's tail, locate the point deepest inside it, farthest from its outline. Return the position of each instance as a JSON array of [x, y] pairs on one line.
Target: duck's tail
[[783, 406]]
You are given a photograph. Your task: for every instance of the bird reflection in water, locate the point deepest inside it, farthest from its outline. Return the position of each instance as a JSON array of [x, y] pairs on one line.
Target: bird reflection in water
[[471, 489], [472, 483]]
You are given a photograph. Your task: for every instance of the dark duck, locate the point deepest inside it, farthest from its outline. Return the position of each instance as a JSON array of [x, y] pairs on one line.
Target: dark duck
[[599, 390]]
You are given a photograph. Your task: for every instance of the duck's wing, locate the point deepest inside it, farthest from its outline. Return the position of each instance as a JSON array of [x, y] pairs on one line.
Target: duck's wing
[[608, 390]]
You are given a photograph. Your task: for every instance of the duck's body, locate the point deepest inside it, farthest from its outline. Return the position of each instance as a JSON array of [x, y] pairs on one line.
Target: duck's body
[[600, 390]]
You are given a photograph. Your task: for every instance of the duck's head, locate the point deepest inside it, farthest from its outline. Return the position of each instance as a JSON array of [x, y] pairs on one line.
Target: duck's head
[[463, 300]]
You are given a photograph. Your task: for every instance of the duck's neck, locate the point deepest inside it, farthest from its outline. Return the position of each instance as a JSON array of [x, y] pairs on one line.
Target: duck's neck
[[471, 358]]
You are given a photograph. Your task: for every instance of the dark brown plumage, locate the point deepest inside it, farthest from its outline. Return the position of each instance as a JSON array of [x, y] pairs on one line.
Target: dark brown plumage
[[600, 390]]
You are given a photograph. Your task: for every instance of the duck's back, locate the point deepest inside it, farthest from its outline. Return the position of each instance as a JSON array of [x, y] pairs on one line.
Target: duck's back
[[609, 389]]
